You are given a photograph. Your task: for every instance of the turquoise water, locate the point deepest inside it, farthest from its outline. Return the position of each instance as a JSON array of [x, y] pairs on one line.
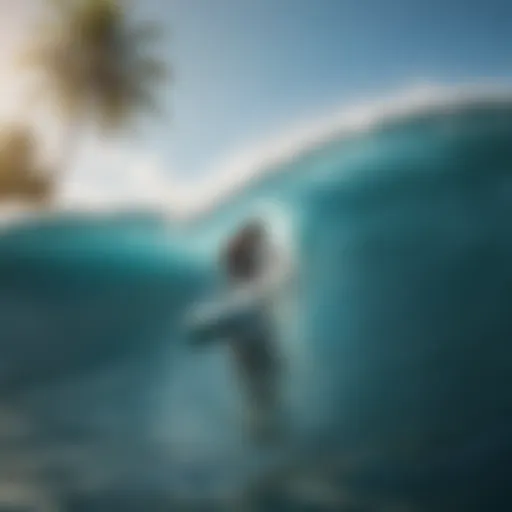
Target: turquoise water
[[397, 336]]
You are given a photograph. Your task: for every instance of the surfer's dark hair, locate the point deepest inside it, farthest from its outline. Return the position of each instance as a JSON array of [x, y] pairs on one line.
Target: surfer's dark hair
[[240, 257]]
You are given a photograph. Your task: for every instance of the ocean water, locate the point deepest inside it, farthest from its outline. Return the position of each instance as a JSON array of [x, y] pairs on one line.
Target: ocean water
[[396, 336]]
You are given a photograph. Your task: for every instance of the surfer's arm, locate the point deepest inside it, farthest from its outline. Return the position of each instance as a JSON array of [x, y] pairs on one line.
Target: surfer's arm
[[201, 321], [216, 319]]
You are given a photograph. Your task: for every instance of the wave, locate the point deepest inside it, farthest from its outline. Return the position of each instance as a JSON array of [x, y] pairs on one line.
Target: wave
[[400, 223]]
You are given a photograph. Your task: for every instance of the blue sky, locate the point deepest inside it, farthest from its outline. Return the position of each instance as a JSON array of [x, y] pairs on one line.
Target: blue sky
[[246, 69]]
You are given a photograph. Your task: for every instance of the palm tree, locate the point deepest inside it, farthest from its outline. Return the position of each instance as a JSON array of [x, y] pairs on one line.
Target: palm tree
[[20, 177], [93, 63]]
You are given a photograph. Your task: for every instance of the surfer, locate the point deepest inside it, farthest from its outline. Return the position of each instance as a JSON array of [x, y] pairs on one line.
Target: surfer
[[255, 272], [248, 260]]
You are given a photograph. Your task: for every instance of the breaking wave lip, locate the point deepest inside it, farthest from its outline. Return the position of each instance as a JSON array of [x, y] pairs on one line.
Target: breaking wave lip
[[244, 169], [191, 201]]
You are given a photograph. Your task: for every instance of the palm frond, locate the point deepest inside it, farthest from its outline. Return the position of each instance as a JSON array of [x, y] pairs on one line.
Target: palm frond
[[145, 100], [90, 56], [151, 70], [63, 5], [146, 33]]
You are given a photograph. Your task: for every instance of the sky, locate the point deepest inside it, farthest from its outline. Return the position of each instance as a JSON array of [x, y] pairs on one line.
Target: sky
[[248, 71]]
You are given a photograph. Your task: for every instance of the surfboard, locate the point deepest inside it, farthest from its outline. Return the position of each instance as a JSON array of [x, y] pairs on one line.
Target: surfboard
[[232, 315]]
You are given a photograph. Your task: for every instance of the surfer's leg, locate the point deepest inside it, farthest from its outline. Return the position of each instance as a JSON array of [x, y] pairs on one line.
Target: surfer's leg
[[259, 372]]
